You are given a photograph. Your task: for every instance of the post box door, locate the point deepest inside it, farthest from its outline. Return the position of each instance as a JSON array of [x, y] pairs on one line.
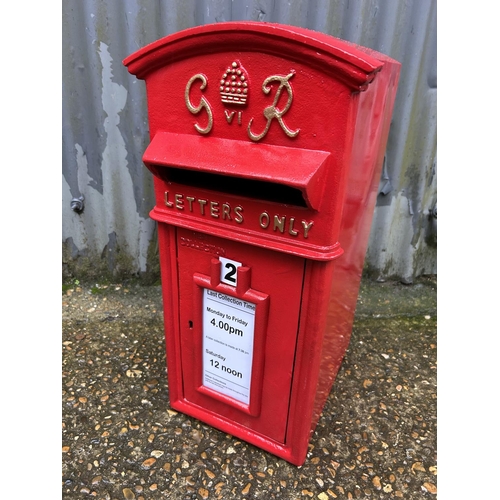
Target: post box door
[[238, 342]]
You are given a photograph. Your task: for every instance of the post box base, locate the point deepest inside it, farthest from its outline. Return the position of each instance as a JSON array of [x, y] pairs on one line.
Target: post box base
[[296, 455]]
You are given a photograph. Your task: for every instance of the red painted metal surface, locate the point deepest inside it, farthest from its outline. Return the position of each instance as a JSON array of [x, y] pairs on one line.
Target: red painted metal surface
[[266, 147]]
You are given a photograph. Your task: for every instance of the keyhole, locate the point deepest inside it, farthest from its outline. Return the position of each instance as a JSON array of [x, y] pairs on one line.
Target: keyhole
[[190, 325]]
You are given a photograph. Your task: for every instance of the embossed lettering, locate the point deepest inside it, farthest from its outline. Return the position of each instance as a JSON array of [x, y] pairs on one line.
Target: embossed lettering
[[202, 246], [284, 224], [214, 209], [239, 215], [203, 103], [230, 116], [226, 211], [272, 111], [169, 204], [264, 220], [202, 205], [291, 230], [307, 226], [179, 201], [279, 223], [190, 200]]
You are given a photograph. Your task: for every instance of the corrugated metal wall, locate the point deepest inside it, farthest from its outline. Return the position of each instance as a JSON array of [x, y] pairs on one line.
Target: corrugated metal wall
[[105, 127]]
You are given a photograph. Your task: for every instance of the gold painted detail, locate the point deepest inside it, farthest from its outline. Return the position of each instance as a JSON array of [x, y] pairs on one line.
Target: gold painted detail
[[234, 85], [272, 111], [230, 116], [277, 223], [284, 224], [234, 89], [200, 206], [203, 103]]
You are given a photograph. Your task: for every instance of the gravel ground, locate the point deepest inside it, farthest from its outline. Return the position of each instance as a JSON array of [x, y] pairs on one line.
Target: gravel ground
[[120, 439]]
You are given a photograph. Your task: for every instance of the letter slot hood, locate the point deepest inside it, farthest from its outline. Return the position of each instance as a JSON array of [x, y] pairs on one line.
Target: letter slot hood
[[298, 169]]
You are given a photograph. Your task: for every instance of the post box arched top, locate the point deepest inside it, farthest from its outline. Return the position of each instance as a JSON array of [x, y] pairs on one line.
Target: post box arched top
[[349, 63]]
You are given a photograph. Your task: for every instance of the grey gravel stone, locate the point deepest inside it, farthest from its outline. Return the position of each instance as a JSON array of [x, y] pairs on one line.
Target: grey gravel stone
[[375, 439]]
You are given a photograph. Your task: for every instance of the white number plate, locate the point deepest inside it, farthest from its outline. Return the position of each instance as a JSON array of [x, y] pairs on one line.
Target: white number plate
[[228, 273]]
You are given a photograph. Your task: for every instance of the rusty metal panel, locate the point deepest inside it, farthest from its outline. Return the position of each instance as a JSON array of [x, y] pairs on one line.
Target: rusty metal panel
[[105, 130]]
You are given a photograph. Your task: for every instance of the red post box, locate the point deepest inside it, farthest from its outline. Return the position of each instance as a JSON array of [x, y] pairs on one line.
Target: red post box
[[266, 147]]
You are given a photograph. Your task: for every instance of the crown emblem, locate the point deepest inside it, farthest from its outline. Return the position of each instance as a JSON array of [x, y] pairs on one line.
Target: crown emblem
[[234, 85]]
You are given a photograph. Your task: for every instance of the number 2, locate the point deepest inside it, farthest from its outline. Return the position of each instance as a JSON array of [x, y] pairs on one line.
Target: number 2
[[228, 273]]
